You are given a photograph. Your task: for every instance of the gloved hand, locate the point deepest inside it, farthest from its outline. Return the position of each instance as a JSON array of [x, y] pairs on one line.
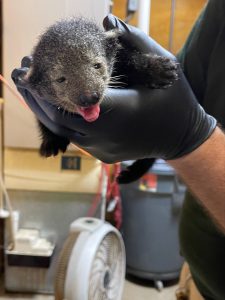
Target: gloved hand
[[134, 123]]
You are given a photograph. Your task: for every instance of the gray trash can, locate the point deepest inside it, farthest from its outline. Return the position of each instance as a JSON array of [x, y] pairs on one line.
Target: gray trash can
[[151, 211]]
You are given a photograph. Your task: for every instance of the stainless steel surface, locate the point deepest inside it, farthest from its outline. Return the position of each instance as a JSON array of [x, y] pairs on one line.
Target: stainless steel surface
[[51, 213]]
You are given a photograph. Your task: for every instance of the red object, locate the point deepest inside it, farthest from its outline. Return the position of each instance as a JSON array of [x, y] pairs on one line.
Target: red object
[[113, 192], [13, 91], [149, 181]]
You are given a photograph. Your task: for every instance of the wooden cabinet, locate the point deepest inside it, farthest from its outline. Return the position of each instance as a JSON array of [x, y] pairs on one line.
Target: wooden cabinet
[[186, 12]]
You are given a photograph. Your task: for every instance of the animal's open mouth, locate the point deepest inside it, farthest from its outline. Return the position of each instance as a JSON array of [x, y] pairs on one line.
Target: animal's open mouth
[[90, 113]]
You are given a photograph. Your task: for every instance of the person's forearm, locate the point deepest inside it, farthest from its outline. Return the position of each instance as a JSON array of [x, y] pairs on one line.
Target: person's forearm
[[203, 170]]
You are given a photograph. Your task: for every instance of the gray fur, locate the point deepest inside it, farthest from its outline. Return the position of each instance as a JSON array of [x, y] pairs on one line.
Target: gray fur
[[71, 48]]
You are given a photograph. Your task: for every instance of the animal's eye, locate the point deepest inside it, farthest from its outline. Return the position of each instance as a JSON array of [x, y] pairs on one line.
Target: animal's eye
[[97, 66], [61, 79]]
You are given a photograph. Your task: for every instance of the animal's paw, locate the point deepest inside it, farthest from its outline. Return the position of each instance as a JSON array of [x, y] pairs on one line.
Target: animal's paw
[[164, 72], [52, 146]]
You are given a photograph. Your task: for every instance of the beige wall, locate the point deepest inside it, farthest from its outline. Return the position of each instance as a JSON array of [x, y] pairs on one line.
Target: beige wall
[[26, 170]]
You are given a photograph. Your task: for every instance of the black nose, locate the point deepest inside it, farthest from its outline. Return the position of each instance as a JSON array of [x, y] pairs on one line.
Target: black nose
[[87, 99]]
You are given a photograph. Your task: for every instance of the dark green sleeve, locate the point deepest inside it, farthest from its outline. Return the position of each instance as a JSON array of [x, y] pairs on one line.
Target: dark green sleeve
[[203, 59], [203, 62], [181, 56]]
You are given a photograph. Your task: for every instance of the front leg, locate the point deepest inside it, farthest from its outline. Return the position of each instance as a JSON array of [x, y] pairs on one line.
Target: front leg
[[153, 71], [51, 143], [135, 171]]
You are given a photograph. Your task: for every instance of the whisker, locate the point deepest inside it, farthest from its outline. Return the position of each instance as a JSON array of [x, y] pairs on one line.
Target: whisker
[[114, 78], [115, 82], [115, 87], [63, 106], [117, 76]]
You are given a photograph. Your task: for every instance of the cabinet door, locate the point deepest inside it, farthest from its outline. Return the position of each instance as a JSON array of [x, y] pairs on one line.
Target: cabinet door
[[185, 14]]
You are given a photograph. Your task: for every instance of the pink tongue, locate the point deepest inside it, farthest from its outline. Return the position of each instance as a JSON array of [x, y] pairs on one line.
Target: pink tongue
[[90, 114]]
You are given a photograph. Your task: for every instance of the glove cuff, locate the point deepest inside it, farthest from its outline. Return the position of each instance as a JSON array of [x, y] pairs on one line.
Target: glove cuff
[[204, 127]]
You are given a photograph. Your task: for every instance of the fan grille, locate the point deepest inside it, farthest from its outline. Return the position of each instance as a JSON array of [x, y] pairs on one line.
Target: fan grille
[[63, 264], [107, 272]]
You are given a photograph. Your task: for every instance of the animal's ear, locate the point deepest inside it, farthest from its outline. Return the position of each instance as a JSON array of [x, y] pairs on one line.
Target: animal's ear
[[25, 78], [112, 34], [111, 41], [35, 74], [21, 77]]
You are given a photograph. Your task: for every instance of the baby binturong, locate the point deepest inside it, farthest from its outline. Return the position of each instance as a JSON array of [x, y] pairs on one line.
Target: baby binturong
[[73, 64]]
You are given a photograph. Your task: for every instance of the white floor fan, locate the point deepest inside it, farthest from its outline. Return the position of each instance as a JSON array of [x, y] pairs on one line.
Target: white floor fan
[[92, 262]]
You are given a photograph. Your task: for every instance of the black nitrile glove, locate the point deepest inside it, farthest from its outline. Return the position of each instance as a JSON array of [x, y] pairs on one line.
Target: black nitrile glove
[[134, 123]]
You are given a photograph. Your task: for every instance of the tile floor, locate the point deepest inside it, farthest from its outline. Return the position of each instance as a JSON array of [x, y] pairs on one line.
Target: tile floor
[[134, 290]]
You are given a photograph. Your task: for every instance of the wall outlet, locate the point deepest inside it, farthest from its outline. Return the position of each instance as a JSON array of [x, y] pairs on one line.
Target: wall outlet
[[70, 163]]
